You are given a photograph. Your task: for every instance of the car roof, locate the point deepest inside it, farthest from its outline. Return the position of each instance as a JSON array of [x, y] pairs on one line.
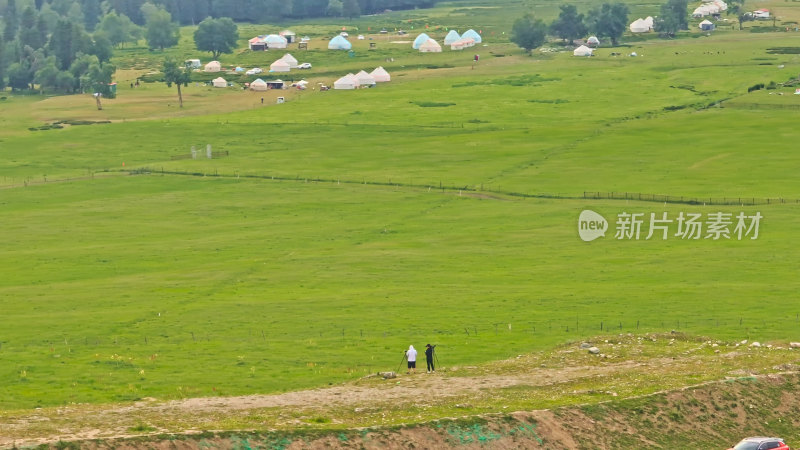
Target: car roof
[[762, 439]]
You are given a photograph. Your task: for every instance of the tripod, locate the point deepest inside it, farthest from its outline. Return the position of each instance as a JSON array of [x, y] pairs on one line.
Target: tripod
[[401, 362]]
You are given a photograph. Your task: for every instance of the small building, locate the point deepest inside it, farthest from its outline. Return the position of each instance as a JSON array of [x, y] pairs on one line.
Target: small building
[[365, 79], [279, 66], [257, 44], [452, 36], [289, 35], [213, 66], [348, 81], [291, 60], [275, 41], [219, 82], [706, 25], [472, 34], [193, 63], [258, 85], [339, 43], [582, 51], [276, 84], [421, 39]]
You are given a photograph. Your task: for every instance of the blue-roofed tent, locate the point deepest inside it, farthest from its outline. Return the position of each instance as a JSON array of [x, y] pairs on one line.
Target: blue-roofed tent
[[421, 39], [451, 37], [339, 43], [472, 34]]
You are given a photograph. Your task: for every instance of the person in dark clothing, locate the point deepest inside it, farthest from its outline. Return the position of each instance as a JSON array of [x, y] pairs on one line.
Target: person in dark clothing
[[429, 357]]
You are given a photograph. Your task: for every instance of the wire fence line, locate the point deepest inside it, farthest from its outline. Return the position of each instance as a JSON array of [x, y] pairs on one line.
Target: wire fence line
[[485, 330], [479, 188]]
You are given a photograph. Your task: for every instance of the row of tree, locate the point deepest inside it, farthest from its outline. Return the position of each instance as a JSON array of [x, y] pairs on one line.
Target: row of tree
[[610, 21], [91, 12]]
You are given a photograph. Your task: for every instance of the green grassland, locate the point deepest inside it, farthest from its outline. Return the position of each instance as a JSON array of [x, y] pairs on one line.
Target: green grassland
[[343, 226]]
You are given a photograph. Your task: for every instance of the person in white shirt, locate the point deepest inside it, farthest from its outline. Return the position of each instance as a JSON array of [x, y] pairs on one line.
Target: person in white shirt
[[411, 356]]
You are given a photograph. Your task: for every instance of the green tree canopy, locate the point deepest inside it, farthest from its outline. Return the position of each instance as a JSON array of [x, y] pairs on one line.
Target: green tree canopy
[[528, 32], [119, 29], [674, 17], [610, 21], [161, 32], [569, 24], [177, 74], [351, 9], [217, 36]]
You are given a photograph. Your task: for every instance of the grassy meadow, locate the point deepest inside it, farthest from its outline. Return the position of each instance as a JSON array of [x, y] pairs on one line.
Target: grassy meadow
[[343, 226]]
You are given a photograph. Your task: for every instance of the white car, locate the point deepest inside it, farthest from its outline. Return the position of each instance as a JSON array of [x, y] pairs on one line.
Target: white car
[[344, 34], [304, 66], [254, 71], [361, 37]]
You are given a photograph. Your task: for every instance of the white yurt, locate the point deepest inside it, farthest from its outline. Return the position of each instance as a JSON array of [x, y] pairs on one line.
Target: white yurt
[[706, 25], [219, 82], [381, 75], [593, 41], [258, 85], [650, 22], [291, 60], [365, 79], [421, 39], [430, 46], [582, 51], [462, 44], [339, 43], [451, 37], [639, 26], [472, 34], [348, 81], [275, 41], [213, 66], [279, 66]]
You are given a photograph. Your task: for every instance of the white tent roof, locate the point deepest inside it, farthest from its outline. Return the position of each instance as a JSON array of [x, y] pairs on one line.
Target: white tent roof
[[649, 21], [339, 43], [348, 81], [219, 82], [583, 51], [364, 78], [706, 22], [289, 59], [451, 37], [421, 39], [258, 85], [381, 75], [430, 46], [213, 66], [279, 66], [472, 34], [275, 41], [639, 26]]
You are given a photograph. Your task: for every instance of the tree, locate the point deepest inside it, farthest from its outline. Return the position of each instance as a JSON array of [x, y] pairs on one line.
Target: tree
[[28, 32], [335, 8], [47, 75], [91, 13], [609, 21], [10, 21], [96, 80], [101, 47], [528, 32], [674, 17], [569, 24], [119, 29], [217, 36], [161, 31], [19, 75], [2, 64], [174, 73], [351, 9], [736, 7]]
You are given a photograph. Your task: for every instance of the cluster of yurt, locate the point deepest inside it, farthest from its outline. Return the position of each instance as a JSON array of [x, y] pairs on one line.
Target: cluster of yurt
[[466, 40], [362, 79], [642, 25], [339, 42], [710, 8], [269, 41]]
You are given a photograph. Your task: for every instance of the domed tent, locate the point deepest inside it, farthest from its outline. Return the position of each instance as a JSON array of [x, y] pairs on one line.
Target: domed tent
[[279, 66], [451, 37], [381, 75], [706, 25], [421, 39], [430, 46], [639, 26], [291, 60], [365, 79], [472, 34], [582, 51], [275, 41], [593, 41], [462, 43], [213, 66], [348, 81], [339, 43], [650, 22], [258, 85], [219, 82], [289, 35]]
